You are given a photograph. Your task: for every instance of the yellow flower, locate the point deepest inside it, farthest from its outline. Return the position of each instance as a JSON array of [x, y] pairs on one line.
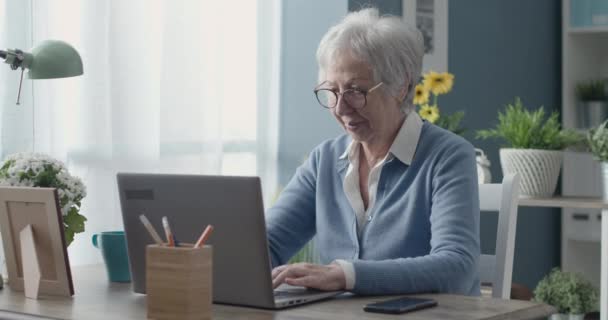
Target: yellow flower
[[438, 83], [421, 95], [429, 113]]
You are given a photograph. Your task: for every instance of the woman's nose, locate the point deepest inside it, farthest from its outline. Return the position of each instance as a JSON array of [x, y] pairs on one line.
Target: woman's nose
[[342, 106]]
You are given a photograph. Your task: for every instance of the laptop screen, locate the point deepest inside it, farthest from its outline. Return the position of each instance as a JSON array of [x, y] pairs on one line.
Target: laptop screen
[[233, 205]]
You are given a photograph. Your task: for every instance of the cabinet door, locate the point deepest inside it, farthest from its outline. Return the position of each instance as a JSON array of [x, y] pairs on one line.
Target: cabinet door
[[581, 228], [581, 176]]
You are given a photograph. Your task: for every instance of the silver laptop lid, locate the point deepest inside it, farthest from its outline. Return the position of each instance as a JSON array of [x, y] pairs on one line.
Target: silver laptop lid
[[233, 205]]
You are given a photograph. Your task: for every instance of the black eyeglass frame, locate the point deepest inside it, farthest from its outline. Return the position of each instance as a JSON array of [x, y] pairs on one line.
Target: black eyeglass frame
[[340, 95]]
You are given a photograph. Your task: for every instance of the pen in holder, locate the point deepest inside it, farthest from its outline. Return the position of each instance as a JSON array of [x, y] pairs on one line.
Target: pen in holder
[[179, 282]]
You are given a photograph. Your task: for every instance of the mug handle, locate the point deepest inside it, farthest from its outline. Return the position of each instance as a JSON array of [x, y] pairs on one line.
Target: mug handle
[[94, 238]]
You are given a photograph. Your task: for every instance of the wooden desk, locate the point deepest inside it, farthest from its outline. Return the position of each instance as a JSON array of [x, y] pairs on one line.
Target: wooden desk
[[96, 298]]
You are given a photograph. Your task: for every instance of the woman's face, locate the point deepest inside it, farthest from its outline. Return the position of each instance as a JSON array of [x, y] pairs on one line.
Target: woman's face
[[377, 121]]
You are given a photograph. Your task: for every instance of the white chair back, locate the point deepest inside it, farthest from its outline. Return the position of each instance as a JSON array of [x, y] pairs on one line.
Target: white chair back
[[498, 269]]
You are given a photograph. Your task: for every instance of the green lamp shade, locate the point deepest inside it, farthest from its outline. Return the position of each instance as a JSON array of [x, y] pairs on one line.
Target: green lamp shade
[[53, 59]]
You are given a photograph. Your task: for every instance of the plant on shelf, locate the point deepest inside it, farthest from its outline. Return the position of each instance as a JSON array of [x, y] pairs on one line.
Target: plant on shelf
[[39, 170], [597, 139], [525, 129], [568, 292], [592, 98], [593, 90], [437, 84], [534, 144]]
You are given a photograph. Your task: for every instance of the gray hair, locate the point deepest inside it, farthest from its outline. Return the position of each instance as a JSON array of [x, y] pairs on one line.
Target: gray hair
[[390, 46]]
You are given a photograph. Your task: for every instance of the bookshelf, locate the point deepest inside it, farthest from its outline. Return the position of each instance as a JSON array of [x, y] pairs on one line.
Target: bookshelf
[[584, 57]]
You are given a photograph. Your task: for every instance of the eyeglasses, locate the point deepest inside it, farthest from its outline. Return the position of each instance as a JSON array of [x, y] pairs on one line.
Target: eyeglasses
[[355, 98]]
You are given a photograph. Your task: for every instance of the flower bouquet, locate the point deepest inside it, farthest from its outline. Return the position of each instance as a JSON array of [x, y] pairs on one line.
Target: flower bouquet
[[39, 170], [437, 84]]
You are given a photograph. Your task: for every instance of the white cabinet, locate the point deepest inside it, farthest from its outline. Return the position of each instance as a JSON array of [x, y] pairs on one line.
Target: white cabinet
[[584, 57]]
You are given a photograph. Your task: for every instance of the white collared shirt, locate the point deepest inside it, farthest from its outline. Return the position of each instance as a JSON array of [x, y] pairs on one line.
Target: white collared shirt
[[403, 148]]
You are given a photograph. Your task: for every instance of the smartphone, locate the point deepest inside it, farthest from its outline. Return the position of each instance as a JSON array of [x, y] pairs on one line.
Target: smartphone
[[400, 305]]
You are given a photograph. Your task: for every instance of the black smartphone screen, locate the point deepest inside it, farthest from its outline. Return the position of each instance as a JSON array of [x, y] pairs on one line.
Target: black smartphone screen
[[400, 305]]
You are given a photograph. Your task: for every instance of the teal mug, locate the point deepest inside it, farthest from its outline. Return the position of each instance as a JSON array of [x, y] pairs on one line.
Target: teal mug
[[113, 248]]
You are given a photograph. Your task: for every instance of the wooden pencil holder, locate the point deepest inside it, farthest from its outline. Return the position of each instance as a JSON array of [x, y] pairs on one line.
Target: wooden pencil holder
[[179, 282]]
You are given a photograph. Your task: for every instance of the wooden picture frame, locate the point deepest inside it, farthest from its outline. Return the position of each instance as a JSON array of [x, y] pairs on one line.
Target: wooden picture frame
[[34, 243]]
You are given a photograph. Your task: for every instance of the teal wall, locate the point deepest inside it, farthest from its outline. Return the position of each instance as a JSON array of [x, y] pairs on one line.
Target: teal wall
[[497, 50]]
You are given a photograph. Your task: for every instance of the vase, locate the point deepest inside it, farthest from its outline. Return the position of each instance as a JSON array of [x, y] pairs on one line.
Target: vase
[[592, 113], [566, 316], [604, 166], [538, 169], [483, 167]]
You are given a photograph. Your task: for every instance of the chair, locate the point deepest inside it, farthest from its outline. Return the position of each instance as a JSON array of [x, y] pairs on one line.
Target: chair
[[497, 269]]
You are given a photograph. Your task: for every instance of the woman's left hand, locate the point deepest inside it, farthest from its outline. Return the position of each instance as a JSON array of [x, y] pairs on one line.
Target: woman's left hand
[[323, 277]]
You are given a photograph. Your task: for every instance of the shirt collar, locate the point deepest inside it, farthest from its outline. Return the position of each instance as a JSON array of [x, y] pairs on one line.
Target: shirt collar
[[406, 141], [404, 146], [349, 150]]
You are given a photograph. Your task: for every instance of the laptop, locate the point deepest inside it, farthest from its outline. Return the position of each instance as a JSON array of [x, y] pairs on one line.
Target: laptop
[[234, 206]]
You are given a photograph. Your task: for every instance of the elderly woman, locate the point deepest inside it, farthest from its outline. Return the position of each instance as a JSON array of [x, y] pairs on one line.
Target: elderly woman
[[394, 201]]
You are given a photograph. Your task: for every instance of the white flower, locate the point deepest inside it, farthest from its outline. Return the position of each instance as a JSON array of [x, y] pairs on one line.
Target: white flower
[[70, 189]]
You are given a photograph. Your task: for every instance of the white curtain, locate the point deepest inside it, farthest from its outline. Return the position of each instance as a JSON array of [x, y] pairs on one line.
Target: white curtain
[[168, 87]]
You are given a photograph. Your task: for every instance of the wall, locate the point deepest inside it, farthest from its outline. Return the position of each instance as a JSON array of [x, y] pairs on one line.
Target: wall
[[303, 122], [499, 50]]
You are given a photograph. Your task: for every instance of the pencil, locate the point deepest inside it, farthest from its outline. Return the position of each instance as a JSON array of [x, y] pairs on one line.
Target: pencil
[[151, 229], [168, 233], [204, 236]]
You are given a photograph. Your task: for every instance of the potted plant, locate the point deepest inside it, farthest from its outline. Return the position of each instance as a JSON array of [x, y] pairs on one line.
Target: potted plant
[[593, 102], [572, 295], [39, 170], [597, 139], [534, 146]]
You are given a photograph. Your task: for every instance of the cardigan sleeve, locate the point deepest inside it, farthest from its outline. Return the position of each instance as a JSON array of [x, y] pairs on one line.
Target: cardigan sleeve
[[451, 265], [291, 221]]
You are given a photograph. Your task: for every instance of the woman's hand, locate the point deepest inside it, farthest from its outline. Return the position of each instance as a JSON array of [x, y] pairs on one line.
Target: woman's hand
[[323, 277]]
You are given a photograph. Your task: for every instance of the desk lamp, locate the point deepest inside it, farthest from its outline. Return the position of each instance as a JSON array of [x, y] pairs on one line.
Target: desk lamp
[[51, 59]]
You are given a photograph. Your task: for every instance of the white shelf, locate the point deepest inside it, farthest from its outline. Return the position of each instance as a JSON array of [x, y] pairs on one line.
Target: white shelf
[[584, 57], [583, 238], [564, 202], [588, 30]]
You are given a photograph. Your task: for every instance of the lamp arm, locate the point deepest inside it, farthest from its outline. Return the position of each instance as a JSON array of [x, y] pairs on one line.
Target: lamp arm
[[17, 58]]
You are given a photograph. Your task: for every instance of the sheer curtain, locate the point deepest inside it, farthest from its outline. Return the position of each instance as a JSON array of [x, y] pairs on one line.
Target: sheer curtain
[[169, 87]]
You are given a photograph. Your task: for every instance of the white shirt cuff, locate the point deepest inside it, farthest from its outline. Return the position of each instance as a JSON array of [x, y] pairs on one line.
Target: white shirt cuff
[[349, 272]]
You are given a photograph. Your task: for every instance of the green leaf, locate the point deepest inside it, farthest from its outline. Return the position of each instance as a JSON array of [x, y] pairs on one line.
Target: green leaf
[[528, 129], [306, 254], [568, 292], [74, 221], [593, 90], [597, 139], [69, 236], [451, 122]]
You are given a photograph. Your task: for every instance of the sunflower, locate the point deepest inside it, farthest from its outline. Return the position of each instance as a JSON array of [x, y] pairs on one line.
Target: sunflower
[[438, 83], [421, 95], [429, 113]]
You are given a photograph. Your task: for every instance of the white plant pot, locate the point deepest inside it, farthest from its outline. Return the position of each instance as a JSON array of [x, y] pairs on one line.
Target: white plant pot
[[604, 166], [538, 169], [563, 316]]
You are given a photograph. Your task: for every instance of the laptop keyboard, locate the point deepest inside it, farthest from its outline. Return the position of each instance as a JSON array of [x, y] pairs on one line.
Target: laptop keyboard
[[287, 293]]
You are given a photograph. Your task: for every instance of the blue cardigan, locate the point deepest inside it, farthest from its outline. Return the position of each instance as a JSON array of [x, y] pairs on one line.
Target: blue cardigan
[[423, 232]]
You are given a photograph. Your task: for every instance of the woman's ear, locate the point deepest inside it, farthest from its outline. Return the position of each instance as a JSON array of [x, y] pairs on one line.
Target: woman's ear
[[403, 92]]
